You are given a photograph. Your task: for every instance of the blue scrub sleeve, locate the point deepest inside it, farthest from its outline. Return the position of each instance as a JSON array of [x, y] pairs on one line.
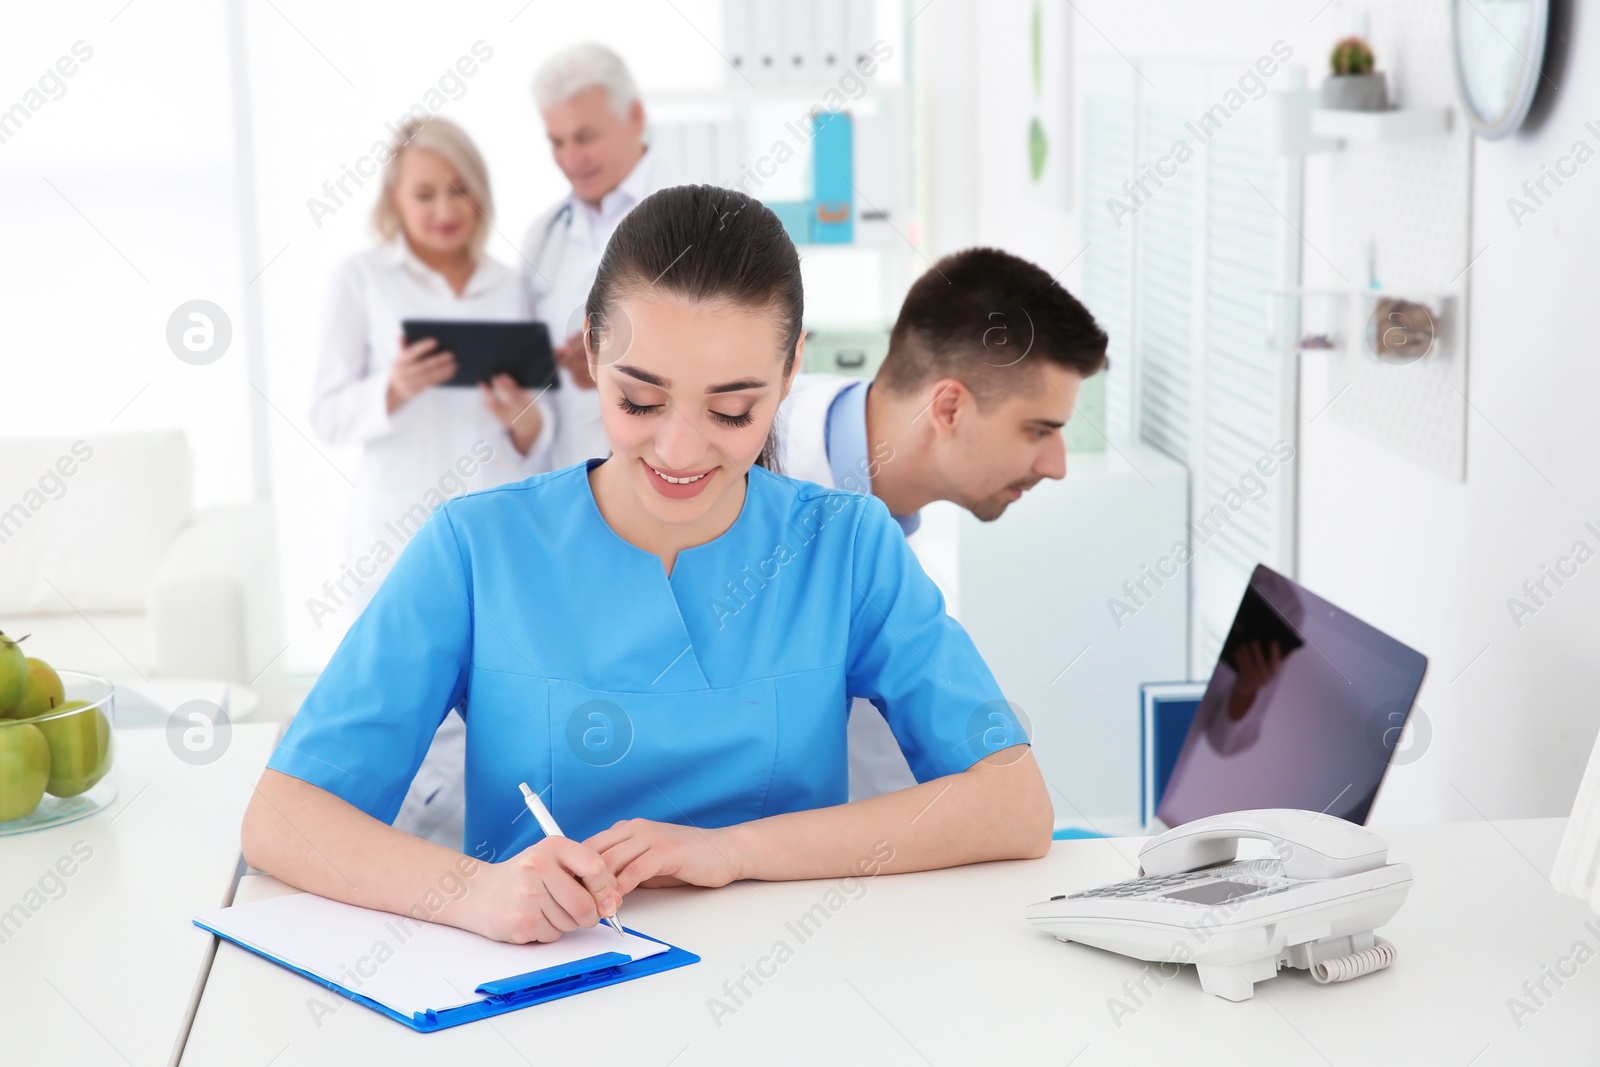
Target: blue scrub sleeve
[[367, 723], [914, 662]]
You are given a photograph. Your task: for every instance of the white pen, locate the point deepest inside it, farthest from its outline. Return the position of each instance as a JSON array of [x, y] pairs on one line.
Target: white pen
[[547, 823]]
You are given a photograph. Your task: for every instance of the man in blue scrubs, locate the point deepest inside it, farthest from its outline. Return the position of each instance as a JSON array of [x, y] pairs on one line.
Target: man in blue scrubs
[[983, 370]]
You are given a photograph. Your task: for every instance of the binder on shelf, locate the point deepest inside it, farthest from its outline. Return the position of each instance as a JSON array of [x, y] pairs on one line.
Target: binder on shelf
[[831, 169], [766, 42], [427, 976], [697, 151], [799, 64], [827, 32], [873, 148], [861, 30], [1166, 711], [736, 42]]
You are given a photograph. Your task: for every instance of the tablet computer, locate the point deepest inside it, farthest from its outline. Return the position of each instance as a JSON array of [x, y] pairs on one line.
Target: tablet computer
[[485, 349]]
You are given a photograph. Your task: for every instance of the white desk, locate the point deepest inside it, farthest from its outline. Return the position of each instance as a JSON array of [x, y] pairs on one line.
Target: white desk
[[940, 968], [107, 969]]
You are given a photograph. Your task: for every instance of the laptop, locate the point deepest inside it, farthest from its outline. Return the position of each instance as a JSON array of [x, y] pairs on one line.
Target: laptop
[[1303, 710]]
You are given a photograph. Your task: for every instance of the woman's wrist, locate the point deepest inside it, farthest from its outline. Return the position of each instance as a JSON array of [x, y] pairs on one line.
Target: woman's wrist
[[460, 908], [525, 429], [741, 845], [446, 889]]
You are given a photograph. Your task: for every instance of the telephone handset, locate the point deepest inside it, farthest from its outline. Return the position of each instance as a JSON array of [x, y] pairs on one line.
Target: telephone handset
[[1314, 905], [1308, 844]]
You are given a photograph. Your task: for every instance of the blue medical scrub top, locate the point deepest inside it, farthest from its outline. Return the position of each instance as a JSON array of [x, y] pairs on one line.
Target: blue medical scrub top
[[716, 696]]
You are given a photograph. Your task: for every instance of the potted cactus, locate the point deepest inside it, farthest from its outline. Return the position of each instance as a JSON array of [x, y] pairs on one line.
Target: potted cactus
[[1353, 85]]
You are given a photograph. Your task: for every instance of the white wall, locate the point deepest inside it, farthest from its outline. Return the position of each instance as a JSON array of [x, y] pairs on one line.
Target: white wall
[[1510, 707], [120, 206], [1430, 561]]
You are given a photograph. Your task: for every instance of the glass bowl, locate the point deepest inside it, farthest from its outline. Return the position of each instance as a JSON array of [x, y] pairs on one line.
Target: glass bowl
[[56, 767]]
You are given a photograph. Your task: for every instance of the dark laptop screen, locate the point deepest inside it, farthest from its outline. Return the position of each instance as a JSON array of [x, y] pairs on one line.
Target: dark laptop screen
[[1303, 710]]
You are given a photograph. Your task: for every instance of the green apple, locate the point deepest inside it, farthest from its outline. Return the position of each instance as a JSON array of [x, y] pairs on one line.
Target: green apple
[[24, 769], [80, 749], [13, 673], [42, 691]]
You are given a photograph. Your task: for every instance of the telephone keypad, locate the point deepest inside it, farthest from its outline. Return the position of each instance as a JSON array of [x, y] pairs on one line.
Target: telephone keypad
[[1266, 874]]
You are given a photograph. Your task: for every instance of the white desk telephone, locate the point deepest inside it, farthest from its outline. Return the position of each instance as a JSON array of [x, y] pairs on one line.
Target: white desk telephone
[[1315, 906]]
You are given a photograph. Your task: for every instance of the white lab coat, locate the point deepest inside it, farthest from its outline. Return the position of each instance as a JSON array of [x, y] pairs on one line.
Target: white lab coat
[[440, 444], [877, 765], [560, 257]]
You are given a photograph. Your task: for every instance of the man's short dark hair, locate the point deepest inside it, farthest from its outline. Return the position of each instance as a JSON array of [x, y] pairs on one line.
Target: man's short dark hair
[[986, 318]]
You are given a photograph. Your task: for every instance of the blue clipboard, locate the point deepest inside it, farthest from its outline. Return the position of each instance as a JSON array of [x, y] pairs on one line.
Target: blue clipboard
[[511, 993]]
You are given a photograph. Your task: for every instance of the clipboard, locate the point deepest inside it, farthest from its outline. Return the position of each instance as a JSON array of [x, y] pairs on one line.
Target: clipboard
[[501, 994]]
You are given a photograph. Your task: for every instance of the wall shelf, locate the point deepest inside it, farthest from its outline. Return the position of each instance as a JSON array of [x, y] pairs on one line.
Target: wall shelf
[[1331, 326], [1379, 125], [878, 93]]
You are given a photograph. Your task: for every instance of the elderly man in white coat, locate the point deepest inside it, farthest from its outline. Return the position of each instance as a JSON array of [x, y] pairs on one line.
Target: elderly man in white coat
[[595, 124], [983, 370]]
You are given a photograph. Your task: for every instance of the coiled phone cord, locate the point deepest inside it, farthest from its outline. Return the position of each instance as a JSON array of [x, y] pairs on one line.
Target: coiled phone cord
[[1343, 968]]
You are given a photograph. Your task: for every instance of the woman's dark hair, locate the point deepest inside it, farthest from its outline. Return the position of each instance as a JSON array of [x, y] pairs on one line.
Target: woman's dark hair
[[708, 245]]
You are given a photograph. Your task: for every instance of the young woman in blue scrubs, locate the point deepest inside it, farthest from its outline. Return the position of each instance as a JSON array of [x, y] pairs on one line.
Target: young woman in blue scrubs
[[663, 644]]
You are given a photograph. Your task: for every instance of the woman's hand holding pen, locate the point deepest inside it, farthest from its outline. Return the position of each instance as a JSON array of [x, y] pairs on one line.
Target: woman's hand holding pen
[[546, 890], [417, 369], [640, 852]]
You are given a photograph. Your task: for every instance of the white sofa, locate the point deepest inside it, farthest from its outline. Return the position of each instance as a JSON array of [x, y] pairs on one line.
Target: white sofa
[[106, 563]]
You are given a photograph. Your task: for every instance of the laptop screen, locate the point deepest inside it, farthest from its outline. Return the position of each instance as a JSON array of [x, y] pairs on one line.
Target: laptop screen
[[1303, 710]]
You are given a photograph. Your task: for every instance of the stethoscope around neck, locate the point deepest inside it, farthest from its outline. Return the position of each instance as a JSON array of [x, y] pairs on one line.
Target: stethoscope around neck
[[544, 267]]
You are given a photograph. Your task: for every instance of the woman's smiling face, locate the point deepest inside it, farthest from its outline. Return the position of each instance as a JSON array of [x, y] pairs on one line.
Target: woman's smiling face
[[435, 211], [688, 395]]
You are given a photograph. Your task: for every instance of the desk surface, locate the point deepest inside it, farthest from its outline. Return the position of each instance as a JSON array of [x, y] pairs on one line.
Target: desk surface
[[102, 965], [940, 968]]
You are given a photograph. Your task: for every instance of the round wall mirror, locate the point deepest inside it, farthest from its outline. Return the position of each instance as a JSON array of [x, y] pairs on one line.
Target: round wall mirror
[[1499, 50]]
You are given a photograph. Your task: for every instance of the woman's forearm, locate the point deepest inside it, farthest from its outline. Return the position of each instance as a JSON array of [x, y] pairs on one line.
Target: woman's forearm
[[997, 809], [525, 429], [311, 839]]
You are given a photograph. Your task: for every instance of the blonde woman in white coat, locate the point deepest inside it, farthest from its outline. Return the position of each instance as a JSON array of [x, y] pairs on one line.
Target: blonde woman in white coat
[[421, 440]]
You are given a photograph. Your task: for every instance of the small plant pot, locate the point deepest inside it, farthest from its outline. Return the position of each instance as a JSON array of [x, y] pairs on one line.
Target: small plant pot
[[1355, 92]]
